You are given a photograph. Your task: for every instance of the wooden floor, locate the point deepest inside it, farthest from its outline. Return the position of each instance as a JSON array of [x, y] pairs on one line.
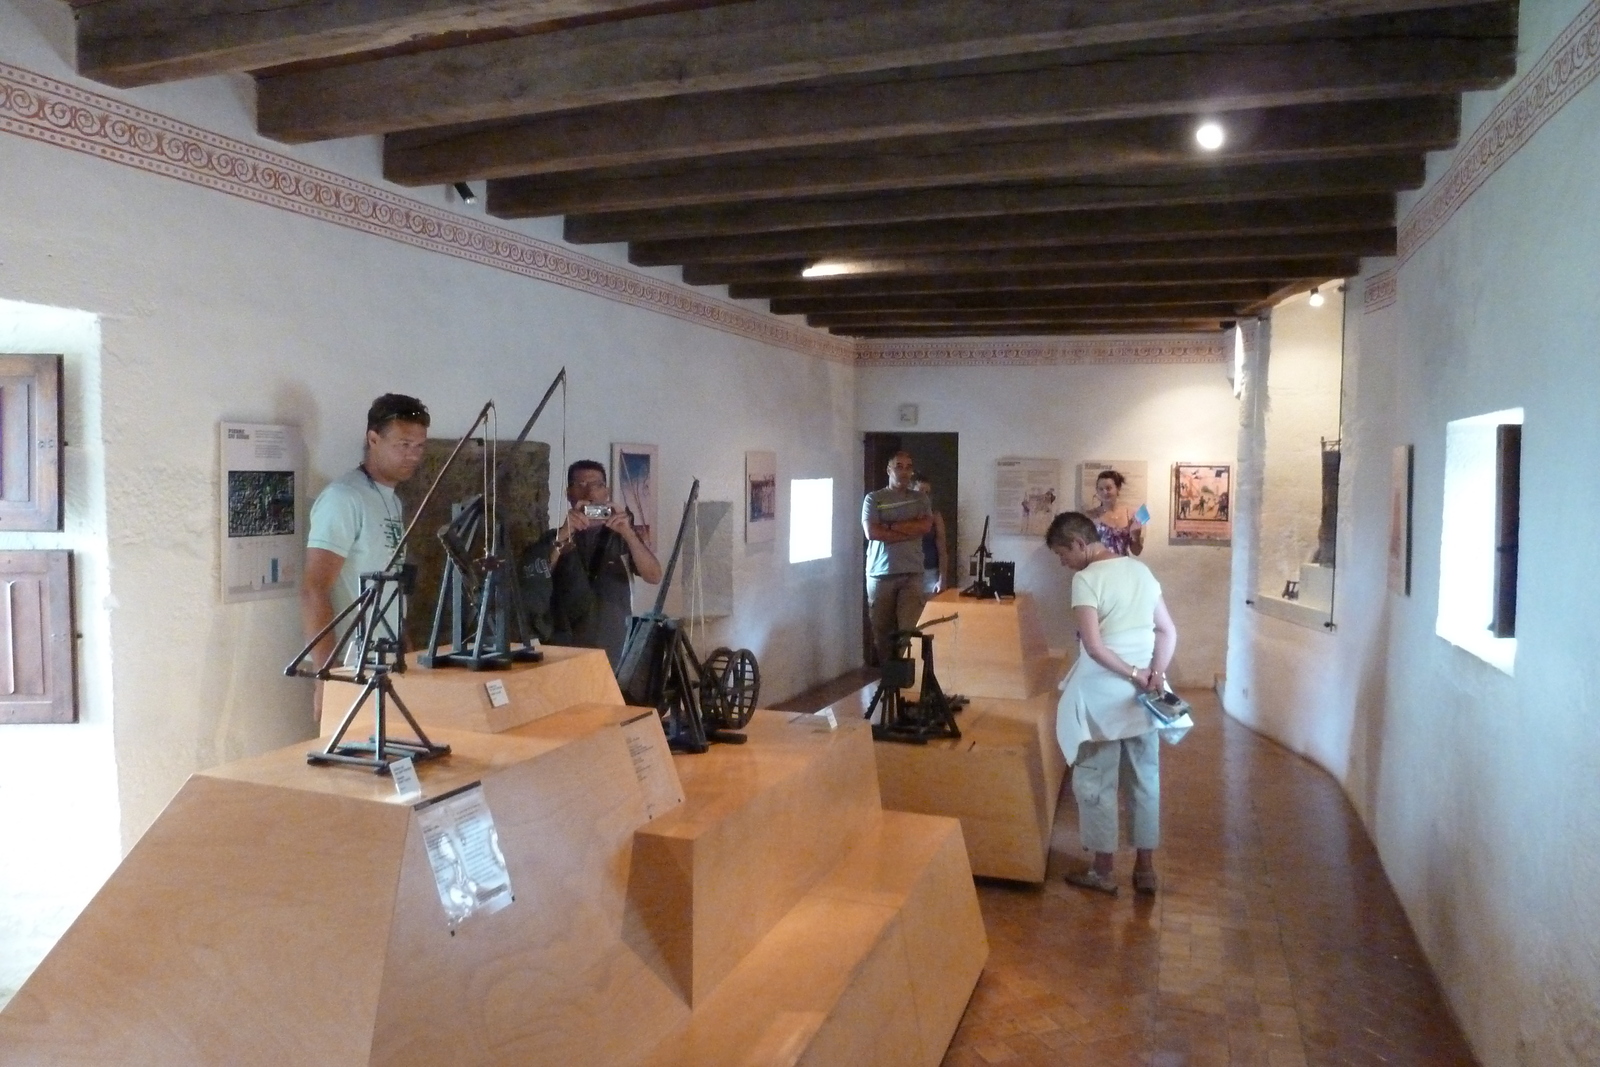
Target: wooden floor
[[1276, 940]]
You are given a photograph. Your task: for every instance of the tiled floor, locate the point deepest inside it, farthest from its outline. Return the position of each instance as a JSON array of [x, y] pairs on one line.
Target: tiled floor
[[1275, 941]]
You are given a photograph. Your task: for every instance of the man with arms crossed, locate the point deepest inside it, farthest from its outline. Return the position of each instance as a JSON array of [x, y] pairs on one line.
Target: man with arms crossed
[[895, 519], [356, 521]]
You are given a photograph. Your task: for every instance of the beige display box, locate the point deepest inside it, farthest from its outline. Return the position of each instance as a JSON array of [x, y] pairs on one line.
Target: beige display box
[[281, 913], [454, 698], [996, 648]]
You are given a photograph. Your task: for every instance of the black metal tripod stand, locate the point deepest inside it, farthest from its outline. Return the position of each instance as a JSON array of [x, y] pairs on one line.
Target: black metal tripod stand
[[932, 714]]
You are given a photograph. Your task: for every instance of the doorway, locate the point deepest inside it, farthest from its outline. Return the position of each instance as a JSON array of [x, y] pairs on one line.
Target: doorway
[[938, 460]]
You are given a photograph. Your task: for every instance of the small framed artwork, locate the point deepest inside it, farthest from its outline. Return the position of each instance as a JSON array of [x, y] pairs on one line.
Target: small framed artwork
[[761, 497], [1202, 504], [633, 486], [1401, 463]]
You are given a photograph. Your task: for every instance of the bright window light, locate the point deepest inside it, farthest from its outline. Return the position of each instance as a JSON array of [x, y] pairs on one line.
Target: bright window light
[[810, 519], [1466, 542]]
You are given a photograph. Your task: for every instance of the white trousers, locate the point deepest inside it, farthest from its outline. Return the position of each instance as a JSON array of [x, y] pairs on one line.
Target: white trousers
[[1096, 776]]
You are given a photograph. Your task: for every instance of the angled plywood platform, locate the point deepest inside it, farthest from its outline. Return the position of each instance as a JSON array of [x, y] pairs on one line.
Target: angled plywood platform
[[1002, 777], [279, 913]]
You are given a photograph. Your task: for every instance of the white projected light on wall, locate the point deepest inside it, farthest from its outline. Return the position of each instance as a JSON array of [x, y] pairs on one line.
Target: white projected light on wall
[[1467, 540], [810, 519]]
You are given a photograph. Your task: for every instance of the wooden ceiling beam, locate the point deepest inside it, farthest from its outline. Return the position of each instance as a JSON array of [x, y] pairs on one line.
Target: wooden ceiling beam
[[992, 316], [736, 46], [1238, 293], [1150, 189], [1378, 241], [1257, 272], [1255, 219], [1275, 135], [141, 42], [1142, 328], [1428, 53]]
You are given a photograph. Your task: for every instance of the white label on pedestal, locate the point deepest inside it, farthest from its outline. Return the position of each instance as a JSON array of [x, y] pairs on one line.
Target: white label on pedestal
[[406, 782], [464, 851], [498, 697], [652, 763]]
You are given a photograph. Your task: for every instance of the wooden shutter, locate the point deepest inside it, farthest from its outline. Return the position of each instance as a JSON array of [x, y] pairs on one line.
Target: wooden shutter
[[1508, 510], [30, 447], [37, 679]]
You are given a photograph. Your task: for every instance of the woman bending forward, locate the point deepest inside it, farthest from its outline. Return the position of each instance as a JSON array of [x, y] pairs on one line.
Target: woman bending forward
[[1126, 640]]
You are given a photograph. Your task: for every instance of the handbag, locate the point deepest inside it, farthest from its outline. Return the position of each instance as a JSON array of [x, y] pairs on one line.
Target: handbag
[[1171, 713]]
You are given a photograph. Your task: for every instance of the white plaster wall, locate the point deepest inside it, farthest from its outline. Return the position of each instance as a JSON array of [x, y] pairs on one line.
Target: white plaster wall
[[211, 307], [1302, 409], [64, 777], [1165, 413], [1479, 789]]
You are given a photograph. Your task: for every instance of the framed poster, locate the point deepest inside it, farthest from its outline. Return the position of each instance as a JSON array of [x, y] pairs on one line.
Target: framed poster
[[1025, 495], [760, 496], [1400, 471], [1202, 504], [263, 542], [633, 486]]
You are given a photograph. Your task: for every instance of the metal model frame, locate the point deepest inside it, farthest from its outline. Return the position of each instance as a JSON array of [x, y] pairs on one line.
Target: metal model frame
[[485, 588], [380, 654], [932, 715]]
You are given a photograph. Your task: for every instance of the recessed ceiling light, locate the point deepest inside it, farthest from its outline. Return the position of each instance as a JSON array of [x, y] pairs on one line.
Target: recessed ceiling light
[[823, 270], [1210, 136], [1317, 298]]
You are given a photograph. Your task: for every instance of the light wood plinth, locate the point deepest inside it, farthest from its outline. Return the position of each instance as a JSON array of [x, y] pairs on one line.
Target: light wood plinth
[[760, 825], [995, 649], [454, 698], [280, 913], [1001, 779]]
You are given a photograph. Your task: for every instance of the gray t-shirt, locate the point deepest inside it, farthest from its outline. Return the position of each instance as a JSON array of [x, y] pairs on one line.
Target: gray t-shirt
[[358, 519], [894, 505]]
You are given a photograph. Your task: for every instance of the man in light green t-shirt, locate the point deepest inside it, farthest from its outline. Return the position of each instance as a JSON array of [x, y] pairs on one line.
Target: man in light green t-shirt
[[895, 519], [356, 522]]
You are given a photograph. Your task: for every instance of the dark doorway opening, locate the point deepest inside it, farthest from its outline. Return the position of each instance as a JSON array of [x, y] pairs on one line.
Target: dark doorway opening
[[938, 460]]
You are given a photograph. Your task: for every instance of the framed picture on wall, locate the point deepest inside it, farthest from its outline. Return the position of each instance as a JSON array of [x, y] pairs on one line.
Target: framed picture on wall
[[1400, 468], [633, 486], [761, 496], [1134, 492], [1202, 504]]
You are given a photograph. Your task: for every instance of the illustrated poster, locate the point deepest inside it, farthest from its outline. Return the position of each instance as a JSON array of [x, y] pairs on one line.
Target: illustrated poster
[[263, 476], [761, 496], [1135, 491], [1025, 495], [1202, 503], [633, 486], [1400, 464]]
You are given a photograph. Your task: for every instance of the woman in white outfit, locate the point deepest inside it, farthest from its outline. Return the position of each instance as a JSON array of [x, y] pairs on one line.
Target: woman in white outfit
[[1126, 640]]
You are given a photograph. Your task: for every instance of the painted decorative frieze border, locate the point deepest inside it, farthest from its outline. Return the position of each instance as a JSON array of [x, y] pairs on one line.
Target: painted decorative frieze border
[[1381, 291], [1567, 67], [1204, 348], [43, 109]]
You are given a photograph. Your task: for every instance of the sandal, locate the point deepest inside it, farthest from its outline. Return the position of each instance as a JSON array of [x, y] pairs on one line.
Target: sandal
[[1093, 879], [1145, 882]]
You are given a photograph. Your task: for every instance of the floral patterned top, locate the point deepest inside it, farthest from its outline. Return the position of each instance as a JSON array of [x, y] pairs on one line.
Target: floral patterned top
[[1118, 539]]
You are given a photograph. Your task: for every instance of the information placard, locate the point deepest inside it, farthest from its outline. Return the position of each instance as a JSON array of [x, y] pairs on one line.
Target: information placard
[[263, 479], [652, 763], [464, 851]]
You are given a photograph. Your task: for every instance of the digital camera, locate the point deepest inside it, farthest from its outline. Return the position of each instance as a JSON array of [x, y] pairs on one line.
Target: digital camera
[[597, 511]]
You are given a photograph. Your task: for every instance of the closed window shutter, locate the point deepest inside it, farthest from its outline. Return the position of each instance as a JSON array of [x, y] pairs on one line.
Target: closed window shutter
[[37, 679]]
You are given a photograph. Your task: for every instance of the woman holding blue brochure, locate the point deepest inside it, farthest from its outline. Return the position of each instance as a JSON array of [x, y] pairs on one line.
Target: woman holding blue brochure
[[1126, 639], [1121, 528]]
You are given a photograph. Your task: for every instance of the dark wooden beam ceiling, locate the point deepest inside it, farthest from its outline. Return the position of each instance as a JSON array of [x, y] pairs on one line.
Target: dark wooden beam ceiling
[[1417, 54], [1273, 135], [942, 168]]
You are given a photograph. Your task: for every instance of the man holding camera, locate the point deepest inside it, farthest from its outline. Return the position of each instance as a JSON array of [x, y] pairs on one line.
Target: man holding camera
[[593, 559]]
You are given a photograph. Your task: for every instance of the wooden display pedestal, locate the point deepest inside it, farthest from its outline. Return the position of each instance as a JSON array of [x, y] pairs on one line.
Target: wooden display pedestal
[[995, 649], [1002, 777], [454, 698], [281, 913]]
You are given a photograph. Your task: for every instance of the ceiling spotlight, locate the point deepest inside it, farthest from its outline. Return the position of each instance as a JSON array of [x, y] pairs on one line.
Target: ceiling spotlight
[[464, 191], [1210, 136], [823, 270], [1317, 298]]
